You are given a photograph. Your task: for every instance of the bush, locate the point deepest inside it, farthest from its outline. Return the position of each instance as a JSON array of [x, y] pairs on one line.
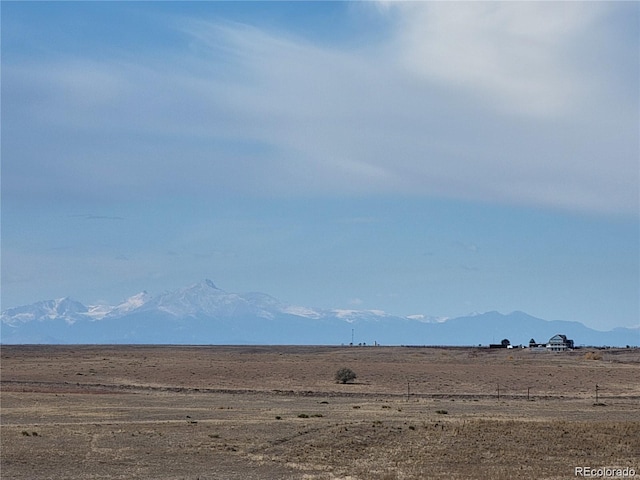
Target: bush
[[592, 356], [306, 415], [345, 375]]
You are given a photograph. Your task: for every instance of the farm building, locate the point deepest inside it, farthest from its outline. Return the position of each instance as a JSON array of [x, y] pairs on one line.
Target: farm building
[[559, 343]]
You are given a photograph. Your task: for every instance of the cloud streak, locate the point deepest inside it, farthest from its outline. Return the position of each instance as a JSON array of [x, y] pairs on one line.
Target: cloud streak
[[500, 102]]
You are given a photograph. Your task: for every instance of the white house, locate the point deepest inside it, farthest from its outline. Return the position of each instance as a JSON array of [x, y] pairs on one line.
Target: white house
[[559, 343]]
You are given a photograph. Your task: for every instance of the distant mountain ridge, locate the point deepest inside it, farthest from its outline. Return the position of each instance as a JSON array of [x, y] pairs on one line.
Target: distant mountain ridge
[[204, 314]]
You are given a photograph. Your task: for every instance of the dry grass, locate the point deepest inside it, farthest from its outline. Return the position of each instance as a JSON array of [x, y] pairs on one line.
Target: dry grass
[[592, 356], [277, 413]]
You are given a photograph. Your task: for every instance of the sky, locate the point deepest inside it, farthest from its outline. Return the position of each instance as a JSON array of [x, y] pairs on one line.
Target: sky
[[425, 158]]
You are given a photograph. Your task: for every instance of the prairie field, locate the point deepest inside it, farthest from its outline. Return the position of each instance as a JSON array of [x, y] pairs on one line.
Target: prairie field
[[276, 412]]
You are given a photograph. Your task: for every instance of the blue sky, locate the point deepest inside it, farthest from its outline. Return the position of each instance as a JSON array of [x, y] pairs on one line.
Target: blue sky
[[420, 158]]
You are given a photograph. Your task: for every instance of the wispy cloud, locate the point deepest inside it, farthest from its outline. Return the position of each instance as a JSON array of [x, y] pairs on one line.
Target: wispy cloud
[[499, 102], [514, 56]]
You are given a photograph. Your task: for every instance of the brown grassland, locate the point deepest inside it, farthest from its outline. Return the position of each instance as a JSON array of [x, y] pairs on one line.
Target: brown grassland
[[172, 412]]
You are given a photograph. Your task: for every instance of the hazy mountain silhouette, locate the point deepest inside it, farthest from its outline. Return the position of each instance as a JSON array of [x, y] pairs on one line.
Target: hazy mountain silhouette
[[204, 314]]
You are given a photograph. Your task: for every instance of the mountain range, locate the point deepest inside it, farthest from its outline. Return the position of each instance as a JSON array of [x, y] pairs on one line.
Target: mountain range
[[204, 314]]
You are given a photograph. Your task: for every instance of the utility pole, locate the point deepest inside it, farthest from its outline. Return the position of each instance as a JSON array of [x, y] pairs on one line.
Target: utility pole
[[352, 336], [498, 392], [408, 391], [597, 393]]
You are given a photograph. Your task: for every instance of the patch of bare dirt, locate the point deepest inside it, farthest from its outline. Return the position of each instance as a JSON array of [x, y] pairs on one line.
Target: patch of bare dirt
[[98, 412]]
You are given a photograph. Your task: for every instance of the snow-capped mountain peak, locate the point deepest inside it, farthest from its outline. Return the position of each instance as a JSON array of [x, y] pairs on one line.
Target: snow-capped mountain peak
[[61, 308], [99, 312], [133, 302], [202, 298], [202, 313]]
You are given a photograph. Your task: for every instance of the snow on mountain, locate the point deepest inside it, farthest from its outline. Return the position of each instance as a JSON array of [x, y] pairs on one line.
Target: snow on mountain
[[100, 312], [427, 319], [62, 308], [132, 303], [202, 313], [204, 299], [353, 315], [201, 298], [302, 312]]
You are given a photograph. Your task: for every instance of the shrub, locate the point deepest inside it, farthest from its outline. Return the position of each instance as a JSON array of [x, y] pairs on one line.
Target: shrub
[[442, 412], [592, 356], [345, 375]]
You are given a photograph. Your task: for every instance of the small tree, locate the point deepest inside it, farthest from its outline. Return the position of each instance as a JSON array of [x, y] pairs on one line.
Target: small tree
[[345, 375]]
